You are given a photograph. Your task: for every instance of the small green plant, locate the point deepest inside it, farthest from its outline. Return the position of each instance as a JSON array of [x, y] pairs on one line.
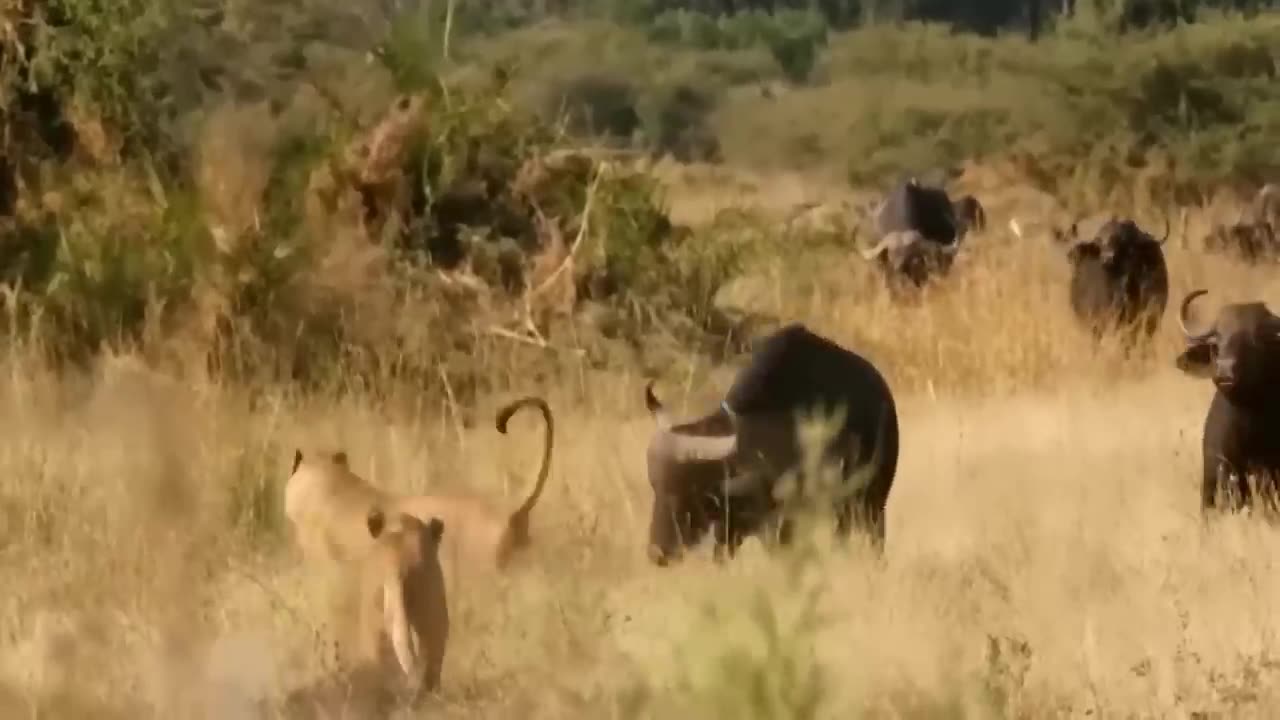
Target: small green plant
[[755, 660], [795, 42], [414, 46]]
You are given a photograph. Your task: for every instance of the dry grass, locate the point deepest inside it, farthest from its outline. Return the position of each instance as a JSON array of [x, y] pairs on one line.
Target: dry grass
[[1045, 556]]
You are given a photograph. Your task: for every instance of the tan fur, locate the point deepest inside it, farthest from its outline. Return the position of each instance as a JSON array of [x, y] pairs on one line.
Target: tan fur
[[328, 505], [404, 613]]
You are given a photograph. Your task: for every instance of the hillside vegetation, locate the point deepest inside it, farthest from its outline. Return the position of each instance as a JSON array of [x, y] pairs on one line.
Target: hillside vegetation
[[232, 229]]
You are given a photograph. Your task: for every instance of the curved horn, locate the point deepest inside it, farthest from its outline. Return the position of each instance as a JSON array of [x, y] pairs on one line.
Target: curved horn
[[1167, 227], [1193, 337], [879, 248], [704, 448], [701, 448]]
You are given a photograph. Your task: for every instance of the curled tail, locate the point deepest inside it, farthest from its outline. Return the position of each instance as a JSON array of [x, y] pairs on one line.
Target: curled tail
[[521, 515]]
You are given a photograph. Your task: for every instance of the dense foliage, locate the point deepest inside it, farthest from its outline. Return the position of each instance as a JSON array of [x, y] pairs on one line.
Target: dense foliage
[[222, 170]]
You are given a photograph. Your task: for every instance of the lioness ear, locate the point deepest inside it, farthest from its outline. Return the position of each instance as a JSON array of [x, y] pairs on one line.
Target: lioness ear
[[376, 521], [435, 528], [340, 458], [297, 460]]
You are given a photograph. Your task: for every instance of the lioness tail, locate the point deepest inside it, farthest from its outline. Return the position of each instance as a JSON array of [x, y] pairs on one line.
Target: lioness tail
[[504, 415]]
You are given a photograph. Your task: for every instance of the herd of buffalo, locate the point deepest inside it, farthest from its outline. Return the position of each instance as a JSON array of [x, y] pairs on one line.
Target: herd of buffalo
[[719, 474]]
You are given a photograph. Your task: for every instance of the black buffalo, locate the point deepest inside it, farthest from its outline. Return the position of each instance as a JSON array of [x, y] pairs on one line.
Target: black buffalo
[[718, 472], [919, 232], [1240, 352], [1119, 278]]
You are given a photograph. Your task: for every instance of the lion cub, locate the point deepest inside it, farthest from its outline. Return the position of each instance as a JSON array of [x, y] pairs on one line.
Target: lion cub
[[404, 613], [328, 503]]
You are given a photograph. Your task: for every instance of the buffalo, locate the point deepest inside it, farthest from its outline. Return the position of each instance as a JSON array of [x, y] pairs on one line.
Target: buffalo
[[1240, 352], [1119, 278], [919, 233], [718, 472]]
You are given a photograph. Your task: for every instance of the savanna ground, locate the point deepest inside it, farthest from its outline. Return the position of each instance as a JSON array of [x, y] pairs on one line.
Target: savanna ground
[[1045, 555]]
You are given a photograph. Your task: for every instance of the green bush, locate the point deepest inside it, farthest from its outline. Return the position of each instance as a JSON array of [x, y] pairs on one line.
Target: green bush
[[596, 104], [795, 42], [675, 119], [793, 37], [918, 96]]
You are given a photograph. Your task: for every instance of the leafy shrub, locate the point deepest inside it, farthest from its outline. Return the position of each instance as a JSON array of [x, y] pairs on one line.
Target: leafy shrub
[[796, 41], [675, 120], [793, 37], [599, 105]]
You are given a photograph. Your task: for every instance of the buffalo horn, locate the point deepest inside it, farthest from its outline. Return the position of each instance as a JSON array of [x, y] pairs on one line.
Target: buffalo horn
[[694, 448], [1193, 337], [1167, 227], [880, 247]]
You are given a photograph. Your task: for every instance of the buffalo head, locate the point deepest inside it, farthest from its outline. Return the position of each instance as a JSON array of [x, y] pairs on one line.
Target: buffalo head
[[1239, 351], [712, 474], [687, 468], [1114, 243], [910, 255]]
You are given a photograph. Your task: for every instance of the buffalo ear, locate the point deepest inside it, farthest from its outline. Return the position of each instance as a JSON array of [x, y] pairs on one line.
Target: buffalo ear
[[1196, 360]]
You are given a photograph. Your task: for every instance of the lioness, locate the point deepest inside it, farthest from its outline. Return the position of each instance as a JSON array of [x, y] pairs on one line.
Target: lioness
[[328, 505], [404, 614]]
